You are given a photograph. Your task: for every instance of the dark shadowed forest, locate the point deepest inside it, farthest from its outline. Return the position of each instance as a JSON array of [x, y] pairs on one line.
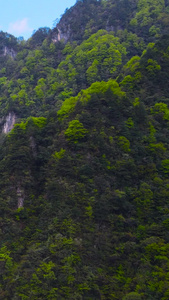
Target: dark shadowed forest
[[84, 155]]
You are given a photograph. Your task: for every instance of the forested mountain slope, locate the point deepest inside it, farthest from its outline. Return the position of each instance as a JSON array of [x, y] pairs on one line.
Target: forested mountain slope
[[144, 18], [84, 203]]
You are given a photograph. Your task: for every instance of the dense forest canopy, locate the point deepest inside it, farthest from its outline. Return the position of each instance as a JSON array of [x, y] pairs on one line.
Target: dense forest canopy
[[84, 155]]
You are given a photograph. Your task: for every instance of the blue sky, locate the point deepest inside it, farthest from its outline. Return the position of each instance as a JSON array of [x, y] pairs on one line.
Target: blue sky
[[21, 17]]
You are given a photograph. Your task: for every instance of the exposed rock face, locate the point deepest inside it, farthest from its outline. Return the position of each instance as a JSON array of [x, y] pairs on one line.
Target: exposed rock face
[[9, 122], [21, 196], [60, 35], [10, 52]]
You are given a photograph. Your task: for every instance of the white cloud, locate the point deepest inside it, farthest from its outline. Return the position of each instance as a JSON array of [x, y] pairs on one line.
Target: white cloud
[[19, 27]]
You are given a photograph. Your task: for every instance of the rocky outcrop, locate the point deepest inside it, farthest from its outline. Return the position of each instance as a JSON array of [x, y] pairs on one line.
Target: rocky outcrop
[[9, 122], [60, 35], [20, 196], [9, 52]]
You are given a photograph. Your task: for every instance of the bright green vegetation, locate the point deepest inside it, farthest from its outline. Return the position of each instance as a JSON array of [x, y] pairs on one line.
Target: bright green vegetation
[[84, 202]]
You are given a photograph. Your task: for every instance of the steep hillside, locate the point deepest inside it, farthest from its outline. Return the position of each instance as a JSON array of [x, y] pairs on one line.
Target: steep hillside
[[147, 19], [84, 171]]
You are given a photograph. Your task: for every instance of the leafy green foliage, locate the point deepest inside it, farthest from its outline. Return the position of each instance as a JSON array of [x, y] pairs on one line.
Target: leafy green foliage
[[84, 171], [75, 131]]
